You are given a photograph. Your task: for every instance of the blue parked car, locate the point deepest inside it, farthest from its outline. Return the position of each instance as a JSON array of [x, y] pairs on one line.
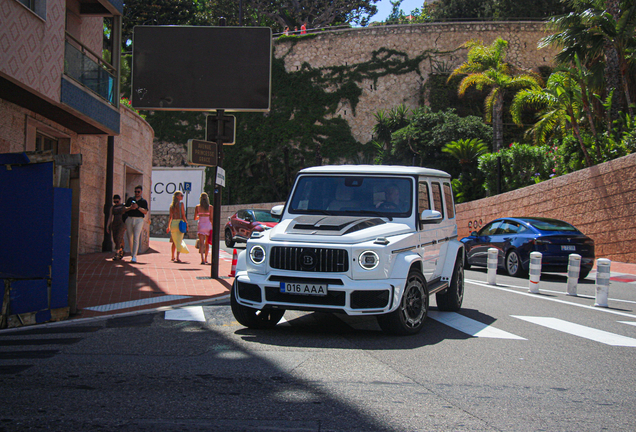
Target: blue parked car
[[516, 237]]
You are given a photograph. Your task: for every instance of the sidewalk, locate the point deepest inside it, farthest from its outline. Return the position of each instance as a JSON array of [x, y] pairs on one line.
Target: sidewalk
[[107, 287]]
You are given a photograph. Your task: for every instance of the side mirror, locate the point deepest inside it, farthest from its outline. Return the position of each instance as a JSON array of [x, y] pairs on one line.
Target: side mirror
[[248, 218], [474, 234], [277, 210], [431, 217]]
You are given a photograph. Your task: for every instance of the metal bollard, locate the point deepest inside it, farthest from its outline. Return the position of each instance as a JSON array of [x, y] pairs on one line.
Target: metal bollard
[[492, 266], [574, 269], [535, 272], [602, 281]]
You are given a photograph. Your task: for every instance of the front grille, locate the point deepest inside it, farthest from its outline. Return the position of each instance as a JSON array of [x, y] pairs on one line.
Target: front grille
[[309, 259], [369, 299], [333, 298]]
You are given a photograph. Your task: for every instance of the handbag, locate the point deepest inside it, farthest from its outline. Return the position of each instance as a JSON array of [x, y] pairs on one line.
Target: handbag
[[183, 226]]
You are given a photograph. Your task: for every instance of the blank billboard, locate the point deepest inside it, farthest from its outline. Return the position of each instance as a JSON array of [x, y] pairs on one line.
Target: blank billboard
[[183, 68]]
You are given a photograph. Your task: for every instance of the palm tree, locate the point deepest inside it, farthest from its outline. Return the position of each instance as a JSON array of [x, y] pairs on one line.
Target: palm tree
[[560, 107], [486, 68], [601, 34], [468, 185], [388, 122]]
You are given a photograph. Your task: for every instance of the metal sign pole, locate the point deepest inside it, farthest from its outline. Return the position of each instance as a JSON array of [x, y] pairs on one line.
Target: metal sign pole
[[216, 223]]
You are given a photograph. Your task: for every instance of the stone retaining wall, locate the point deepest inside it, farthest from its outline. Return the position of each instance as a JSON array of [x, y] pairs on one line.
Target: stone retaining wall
[[357, 45]]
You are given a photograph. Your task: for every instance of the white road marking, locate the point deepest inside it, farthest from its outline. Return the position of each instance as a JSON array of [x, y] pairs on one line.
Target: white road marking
[[283, 322], [628, 322], [470, 326], [580, 331], [135, 303], [502, 287], [190, 313]]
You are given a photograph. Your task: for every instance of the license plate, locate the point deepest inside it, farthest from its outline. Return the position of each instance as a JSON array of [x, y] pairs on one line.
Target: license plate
[[568, 248], [303, 288]]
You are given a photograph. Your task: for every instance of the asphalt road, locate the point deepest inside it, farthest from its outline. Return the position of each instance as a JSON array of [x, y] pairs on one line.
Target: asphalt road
[[509, 361]]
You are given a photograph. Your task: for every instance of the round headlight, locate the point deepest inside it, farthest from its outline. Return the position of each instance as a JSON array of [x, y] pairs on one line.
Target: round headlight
[[257, 254], [368, 260]]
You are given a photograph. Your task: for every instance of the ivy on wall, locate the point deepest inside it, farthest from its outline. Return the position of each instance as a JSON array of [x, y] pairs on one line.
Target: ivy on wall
[[303, 129]]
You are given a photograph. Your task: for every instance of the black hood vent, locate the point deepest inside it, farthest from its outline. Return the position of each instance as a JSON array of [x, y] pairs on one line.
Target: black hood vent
[[331, 225]]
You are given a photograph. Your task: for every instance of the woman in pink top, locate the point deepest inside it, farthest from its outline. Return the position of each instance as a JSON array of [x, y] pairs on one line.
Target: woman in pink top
[[202, 213]]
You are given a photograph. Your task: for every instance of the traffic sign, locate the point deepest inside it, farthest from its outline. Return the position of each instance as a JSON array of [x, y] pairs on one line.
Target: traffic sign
[[187, 186], [228, 134], [202, 153]]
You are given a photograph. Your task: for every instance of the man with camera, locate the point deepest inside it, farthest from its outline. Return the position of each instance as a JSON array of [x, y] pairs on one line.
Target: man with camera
[[136, 209]]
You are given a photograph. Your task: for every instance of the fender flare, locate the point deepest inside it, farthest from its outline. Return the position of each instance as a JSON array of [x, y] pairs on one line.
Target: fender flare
[[453, 247], [403, 263]]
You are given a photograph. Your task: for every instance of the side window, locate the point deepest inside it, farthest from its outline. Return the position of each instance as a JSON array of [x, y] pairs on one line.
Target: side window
[[448, 197], [241, 214], [423, 197], [490, 229], [437, 198]]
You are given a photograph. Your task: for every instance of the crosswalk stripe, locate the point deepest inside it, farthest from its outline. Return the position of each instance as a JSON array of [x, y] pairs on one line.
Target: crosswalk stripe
[[188, 313], [580, 330], [470, 326]]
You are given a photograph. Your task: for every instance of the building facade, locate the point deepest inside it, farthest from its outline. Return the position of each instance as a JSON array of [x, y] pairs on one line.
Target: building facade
[[59, 94]]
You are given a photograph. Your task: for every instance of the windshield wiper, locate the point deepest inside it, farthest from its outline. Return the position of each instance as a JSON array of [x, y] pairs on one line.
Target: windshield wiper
[[375, 213]]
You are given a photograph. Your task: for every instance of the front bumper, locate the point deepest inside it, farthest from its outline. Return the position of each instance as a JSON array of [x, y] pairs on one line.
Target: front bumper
[[367, 297]]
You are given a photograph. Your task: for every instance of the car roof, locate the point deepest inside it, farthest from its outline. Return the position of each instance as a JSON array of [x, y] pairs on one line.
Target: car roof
[[375, 169]]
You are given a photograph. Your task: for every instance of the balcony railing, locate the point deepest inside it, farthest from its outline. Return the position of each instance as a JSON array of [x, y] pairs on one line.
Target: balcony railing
[[88, 69]]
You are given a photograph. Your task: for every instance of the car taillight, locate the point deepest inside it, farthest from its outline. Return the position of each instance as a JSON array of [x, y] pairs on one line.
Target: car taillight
[[540, 242]]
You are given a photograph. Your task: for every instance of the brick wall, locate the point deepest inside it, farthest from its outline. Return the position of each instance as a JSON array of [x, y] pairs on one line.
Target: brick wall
[[600, 201]]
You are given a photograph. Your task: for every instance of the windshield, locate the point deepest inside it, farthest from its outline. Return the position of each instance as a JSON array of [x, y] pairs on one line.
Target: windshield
[[551, 225], [265, 216], [353, 195]]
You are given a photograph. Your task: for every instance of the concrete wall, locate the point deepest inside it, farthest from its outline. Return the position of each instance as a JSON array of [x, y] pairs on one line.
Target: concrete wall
[[600, 201], [352, 46]]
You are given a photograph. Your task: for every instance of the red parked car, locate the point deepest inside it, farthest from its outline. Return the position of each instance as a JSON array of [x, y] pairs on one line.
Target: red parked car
[[240, 225]]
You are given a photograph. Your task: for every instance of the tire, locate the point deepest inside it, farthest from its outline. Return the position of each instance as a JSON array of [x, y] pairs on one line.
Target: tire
[[254, 318], [466, 263], [513, 264], [583, 274], [409, 317], [229, 241], [451, 300]]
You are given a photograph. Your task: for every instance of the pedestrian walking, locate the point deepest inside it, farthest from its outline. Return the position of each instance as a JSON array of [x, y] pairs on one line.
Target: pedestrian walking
[[116, 226], [202, 213], [177, 215], [303, 29], [136, 210]]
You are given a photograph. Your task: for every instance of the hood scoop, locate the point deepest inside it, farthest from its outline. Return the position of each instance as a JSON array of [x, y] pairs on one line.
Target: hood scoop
[[331, 225]]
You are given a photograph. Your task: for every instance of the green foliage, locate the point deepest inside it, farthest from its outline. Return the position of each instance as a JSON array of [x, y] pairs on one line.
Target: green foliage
[[442, 94], [469, 185], [422, 140], [486, 67], [315, 13], [521, 165], [454, 10], [299, 131]]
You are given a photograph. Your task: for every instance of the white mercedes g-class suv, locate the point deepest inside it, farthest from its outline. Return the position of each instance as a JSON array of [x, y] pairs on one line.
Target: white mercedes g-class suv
[[356, 239]]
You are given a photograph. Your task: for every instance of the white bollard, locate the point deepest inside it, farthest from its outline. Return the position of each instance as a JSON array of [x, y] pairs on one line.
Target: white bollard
[[574, 270], [602, 281], [535, 272], [492, 266]]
